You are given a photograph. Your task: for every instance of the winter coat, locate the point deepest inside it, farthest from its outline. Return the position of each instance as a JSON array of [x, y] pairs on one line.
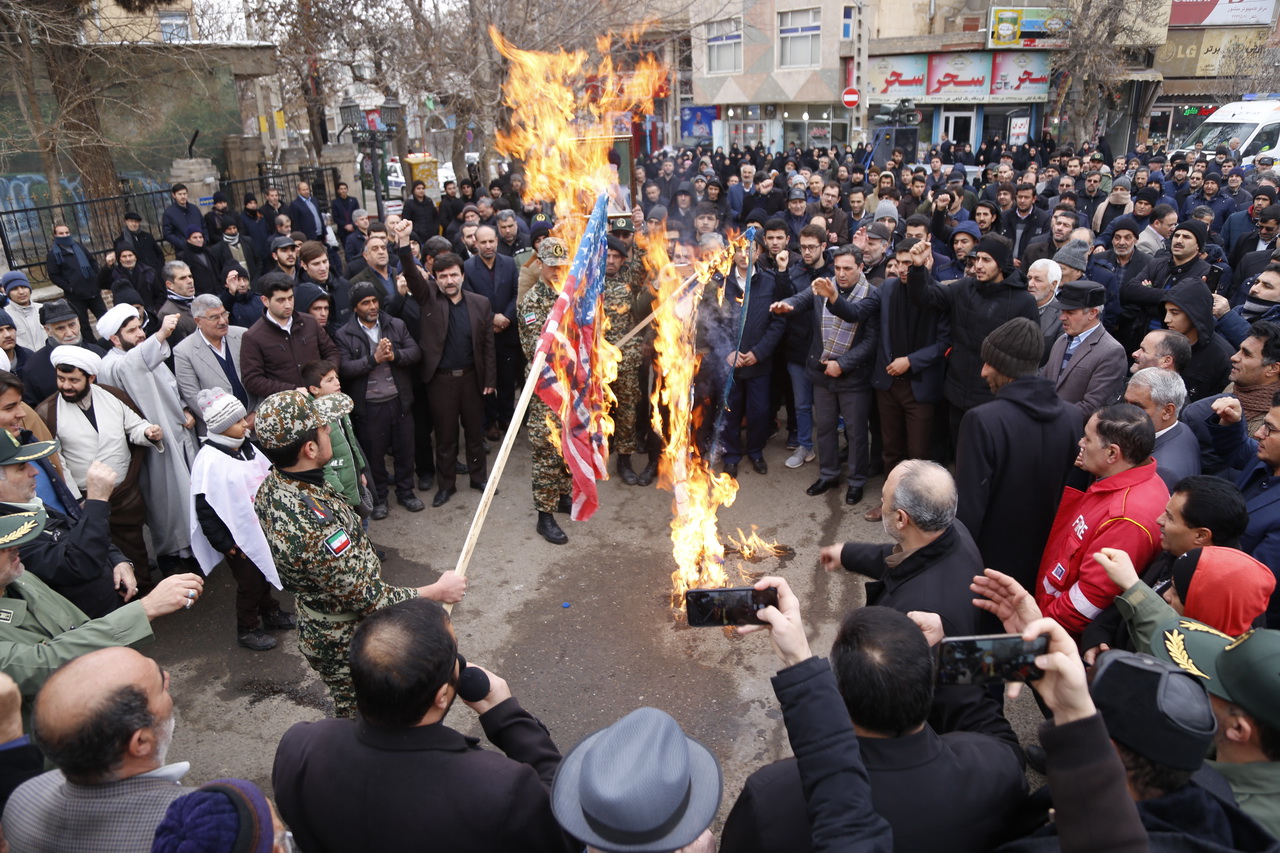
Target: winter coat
[[1142, 307], [1210, 368], [64, 271], [144, 280], [796, 278], [1119, 511], [1012, 460], [357, 359], [975, 310], [425, 218], [144, 246], [177, 220]]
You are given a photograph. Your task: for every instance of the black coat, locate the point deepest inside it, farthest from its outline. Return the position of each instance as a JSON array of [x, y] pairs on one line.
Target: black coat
[[1143, 307], [500, 289], [344, 785], [207, 276], [976, 310], [75, 557], [1012, 460], [424, 216], [64, 271], [956, 792], [143, 279], [796, 278], [1210, 367], [1037, 223], [41, 378], [357, 358], [143, 245]]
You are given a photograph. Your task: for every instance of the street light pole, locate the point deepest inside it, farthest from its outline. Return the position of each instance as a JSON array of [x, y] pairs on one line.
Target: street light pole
[[372, 133]]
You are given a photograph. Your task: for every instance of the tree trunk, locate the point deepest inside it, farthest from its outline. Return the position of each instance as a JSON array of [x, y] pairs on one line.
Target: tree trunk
[[81, 124], [29, 104]]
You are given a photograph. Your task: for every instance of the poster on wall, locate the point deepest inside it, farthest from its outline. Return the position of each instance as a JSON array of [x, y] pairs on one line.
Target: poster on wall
[[1019, 77], [1032, 28], [892, 77], [696, 121], [1221, 13], [958, 78]]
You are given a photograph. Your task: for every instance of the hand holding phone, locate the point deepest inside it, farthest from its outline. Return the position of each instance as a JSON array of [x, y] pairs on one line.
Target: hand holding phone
[[989, 659], [786, 629], [715, 608]]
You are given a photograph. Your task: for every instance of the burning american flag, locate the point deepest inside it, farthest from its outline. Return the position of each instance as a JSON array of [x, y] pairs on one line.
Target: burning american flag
[[572, 382]]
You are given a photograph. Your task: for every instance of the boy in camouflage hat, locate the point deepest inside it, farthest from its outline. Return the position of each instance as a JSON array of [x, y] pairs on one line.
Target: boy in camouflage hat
[[321, 552]]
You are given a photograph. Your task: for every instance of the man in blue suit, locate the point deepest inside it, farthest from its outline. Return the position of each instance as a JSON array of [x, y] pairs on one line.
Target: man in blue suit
[[495, 277], [305, 214], [1259, 480], [742, 196]]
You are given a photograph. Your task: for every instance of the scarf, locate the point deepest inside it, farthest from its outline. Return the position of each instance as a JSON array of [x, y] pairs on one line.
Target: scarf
[[1255, 401], [837, 334], [181, 300], [909, 326], [233, 240], [1254, 308], [68, 246], [224, 440]]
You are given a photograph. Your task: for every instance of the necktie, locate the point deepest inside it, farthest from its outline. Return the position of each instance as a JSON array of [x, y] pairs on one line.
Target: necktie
[[1073, 341]]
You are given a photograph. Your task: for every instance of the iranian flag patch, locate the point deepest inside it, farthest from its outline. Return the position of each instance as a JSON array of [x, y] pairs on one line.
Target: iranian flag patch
[[338, 542]]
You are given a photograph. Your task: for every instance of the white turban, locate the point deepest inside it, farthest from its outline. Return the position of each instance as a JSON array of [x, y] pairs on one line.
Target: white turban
[[111, 321], [88, 361]]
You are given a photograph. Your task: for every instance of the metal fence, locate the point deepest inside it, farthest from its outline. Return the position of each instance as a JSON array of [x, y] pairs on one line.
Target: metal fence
[[26, 233]]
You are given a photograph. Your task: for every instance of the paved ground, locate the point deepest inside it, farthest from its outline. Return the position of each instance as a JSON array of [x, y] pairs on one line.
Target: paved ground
[[614, 648]]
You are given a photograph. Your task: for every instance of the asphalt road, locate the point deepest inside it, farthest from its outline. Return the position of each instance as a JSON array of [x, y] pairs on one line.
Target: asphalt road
[[580, 667]]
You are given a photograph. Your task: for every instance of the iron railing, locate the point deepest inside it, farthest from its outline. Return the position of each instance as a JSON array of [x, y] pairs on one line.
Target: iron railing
[[26, 233]]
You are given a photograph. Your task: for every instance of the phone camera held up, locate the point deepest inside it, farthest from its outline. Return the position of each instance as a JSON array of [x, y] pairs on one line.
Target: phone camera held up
[[715, 608], [989, 659]]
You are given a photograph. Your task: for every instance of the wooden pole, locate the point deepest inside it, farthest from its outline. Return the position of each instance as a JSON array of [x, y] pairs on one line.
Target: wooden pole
[[499, 463]]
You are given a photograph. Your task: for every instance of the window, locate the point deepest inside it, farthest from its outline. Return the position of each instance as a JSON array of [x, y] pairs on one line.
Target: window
[[846, 27], [175, 26], [724, 46], [800, 37]]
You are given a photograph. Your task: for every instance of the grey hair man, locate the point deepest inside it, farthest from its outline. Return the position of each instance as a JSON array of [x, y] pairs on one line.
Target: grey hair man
[[1162, 394]]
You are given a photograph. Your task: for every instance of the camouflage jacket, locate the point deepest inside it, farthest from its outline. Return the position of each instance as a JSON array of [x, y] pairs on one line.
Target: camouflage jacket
[[532, 311], [321, 551]]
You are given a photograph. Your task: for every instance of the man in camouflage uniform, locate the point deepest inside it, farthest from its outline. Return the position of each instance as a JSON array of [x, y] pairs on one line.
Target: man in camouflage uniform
[[319, 546], [620, 292], [643, 297], [551, 482]]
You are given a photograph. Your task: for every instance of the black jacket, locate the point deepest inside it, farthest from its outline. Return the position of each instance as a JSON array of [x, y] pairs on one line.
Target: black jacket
[[796, 278], [1143, 307], [424, 216], [762, 330], [143, 245], [205, 269], [64, 271], [344, 785], [1012, 460], [1210, 368], [76, 558], [357, 358], [41, 378], [976, 310], [143, 279], [954, 792], [1037, 223]]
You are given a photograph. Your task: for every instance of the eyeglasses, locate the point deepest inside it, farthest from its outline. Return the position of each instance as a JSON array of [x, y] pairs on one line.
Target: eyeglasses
[[1266, 429], [221, 315]]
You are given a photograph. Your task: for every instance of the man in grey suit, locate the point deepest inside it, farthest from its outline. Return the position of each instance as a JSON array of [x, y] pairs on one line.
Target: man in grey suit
[[101, 797], [210, 358], [1087, 365], [1162, 394]]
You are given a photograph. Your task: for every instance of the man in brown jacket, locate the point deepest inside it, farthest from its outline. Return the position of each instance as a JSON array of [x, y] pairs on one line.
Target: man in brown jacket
[[459, 362], [276, 347]]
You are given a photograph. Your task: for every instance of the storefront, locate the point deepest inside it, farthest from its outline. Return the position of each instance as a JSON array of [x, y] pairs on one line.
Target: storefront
[[970, 96], [1198, 65], [809, 125]]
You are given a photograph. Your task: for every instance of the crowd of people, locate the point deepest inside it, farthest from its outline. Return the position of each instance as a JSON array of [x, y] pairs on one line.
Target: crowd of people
[[1065, 365]]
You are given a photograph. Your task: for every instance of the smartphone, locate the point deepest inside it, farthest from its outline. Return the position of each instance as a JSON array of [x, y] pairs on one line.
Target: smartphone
[[714, 608], [1213, 277], [989, 659]]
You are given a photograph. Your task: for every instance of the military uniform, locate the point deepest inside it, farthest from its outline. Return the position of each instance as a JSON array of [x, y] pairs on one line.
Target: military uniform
[[320, 549], [41, 630], [619, 301], [550, 476]]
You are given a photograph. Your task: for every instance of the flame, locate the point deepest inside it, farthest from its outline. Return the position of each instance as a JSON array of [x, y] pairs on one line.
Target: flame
[[562, 106], [752, 547], [698, 491]]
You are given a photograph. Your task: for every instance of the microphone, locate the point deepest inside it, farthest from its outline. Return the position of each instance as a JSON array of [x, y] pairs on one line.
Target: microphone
[[473, 683]]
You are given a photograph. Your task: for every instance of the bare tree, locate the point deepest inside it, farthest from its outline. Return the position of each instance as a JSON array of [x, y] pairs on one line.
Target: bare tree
[[1105, 38]]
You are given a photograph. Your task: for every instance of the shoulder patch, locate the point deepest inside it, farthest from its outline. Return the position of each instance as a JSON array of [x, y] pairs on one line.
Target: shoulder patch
[[320, 511], [530, 318]]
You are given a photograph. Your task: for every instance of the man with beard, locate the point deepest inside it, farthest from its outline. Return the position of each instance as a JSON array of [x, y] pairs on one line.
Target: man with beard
[[233, 248], [105, 721], [61, 327], [179, 218], [213, 219], [1142, 300], [102, 426], [137, 366], [494, 276]]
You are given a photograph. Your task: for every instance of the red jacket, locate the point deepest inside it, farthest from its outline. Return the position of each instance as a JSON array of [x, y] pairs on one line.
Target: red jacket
[[1119, 511]]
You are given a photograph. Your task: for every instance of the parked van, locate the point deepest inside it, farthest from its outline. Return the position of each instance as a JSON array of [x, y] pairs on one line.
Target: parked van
[[1255, 122]]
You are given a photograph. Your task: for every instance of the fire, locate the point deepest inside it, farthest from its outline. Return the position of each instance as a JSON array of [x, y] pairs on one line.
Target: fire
[[752, 548], [562, 108], [698, 491]]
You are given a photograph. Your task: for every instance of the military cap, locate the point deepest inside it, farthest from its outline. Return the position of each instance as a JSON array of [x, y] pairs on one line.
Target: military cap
[[621, 223], [21, 523], [553, 252], [1243, 670], [286, 416], [13, 452]]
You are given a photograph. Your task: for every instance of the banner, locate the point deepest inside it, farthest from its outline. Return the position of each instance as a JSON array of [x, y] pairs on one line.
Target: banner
[[892, 77], [1037, 28], [1221, 13], [696, 121], [958, 78], [1199, 53], [1019, 77], [973, 77]]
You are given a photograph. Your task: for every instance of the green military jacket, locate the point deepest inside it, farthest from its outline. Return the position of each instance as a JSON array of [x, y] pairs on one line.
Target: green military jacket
[[533, 311], [1257, 789], [323, 556], [40, 631]]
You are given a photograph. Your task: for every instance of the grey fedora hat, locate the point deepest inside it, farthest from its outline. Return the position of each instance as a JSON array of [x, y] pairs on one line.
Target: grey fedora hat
[[638, 786]]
